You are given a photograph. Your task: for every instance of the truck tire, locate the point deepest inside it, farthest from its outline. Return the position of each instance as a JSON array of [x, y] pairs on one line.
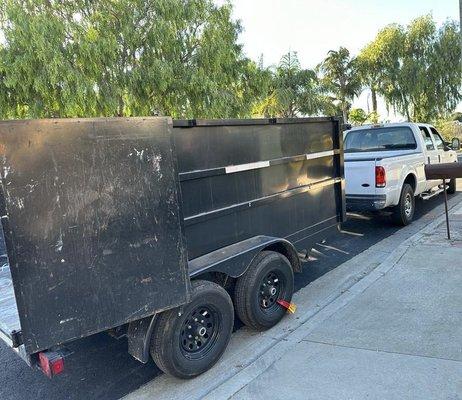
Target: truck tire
[[403, 213], [188, 341], [452, 186], [269, 278]]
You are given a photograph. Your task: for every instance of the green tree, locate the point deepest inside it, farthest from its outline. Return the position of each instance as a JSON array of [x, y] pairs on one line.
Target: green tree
[[358, 116], [449, 129], [293, 91], [125, 57], [416, 69], [340, 78], [369, 68], [457, 116]]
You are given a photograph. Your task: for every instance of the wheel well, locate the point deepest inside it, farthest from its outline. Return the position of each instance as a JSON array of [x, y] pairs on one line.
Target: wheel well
[[287, 251], [411, 180], [220, 278]]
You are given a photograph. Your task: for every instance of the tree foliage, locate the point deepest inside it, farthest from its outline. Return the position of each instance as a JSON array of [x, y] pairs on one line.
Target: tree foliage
[[457, 116], [292, 92], [416, 69], [358, 116], [341, 78], [73, 58], [124, 57]]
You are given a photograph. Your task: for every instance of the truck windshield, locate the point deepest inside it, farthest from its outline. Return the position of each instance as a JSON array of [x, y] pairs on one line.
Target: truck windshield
[[380, 139]]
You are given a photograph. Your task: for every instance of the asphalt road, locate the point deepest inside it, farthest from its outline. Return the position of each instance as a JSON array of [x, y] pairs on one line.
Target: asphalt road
[[101, 368]]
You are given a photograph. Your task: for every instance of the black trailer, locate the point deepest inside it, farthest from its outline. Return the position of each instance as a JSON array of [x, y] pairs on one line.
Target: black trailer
[[159, 230]]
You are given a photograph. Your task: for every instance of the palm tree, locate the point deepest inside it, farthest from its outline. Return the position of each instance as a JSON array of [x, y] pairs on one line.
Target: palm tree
[[340, 78], [294, 91]]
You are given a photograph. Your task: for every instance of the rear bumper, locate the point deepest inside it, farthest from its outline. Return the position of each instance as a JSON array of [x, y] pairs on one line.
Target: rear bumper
[[366, 202]]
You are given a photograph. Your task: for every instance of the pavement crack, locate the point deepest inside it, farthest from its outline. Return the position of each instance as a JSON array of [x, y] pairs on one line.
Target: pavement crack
[[380, 350]]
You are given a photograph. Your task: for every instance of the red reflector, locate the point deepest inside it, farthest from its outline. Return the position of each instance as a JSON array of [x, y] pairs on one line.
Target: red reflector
[[380, 177], [51, 363], [57, 366]]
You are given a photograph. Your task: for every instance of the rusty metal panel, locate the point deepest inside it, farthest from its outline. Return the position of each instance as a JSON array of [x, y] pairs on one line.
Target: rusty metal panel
[[92, 223]]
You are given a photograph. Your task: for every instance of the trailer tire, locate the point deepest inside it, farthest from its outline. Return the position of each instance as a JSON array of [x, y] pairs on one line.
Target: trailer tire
[[452, 187], [188, 341], [269, 278], [403, 213]]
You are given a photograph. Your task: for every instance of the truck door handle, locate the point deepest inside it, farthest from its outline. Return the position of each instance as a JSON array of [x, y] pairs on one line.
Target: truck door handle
[[365, 185]]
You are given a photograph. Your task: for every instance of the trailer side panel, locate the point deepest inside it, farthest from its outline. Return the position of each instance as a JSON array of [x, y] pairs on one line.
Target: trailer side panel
[[245, 178]]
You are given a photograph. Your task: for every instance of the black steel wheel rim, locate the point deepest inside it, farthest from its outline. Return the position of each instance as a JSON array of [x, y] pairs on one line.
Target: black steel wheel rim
[[199, 331], [270, 291]]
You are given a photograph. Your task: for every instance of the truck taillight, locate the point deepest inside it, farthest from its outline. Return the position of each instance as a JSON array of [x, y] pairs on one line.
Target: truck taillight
[[380, 177], [51, 363]]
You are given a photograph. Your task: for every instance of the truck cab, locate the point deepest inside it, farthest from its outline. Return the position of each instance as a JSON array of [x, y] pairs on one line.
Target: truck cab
[[384, 167]]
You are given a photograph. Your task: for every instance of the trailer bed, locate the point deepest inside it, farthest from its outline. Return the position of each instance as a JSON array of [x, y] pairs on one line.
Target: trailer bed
[[9, 316]]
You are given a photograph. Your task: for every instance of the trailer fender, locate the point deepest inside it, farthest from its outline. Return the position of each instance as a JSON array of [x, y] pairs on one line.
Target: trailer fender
[[234, 260], [139, 337]]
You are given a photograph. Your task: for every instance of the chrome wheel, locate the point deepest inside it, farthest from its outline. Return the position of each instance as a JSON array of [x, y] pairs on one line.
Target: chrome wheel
[[408, 205]]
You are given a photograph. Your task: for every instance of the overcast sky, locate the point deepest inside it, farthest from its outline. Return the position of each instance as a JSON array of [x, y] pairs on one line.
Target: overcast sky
[[313, 27]]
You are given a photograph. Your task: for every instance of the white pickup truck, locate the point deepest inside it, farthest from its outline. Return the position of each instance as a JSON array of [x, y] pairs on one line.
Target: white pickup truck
[[384, 167]]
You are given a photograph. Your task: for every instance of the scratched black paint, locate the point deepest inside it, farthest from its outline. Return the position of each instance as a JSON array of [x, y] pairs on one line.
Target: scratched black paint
[[93, 228], [269, 201]]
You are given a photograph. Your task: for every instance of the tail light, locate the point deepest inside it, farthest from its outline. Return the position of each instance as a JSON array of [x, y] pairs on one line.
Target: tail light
[[51, 363], [380, 177]]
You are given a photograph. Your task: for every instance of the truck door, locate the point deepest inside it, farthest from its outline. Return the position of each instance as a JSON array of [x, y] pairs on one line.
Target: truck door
[[443, 156], [430, 152]]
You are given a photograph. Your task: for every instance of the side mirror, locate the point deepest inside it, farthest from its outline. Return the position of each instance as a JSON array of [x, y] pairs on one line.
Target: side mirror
[[455, 144]]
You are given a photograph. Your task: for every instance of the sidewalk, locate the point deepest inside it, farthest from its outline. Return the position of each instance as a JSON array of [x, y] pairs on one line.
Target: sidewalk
[[398, 338], [387, 324]]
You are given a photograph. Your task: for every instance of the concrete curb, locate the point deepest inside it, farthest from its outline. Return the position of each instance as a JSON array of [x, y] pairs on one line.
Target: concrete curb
[[251, 353]]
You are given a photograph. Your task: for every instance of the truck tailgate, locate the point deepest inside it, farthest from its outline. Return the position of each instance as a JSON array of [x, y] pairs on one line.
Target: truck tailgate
[[360, 176]]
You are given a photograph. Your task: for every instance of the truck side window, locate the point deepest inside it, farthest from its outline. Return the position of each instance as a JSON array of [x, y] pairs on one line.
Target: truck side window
[[437, 138], [427, 138]]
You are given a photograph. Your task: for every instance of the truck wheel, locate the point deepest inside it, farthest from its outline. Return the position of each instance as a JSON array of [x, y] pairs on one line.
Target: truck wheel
[[452, 186], [187, 343], [403, 213], [269, 278]]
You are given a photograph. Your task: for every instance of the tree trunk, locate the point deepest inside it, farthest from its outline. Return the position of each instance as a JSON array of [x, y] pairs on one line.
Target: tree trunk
[[345, 115], [120, 108], [374, 100], [408, 114]]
